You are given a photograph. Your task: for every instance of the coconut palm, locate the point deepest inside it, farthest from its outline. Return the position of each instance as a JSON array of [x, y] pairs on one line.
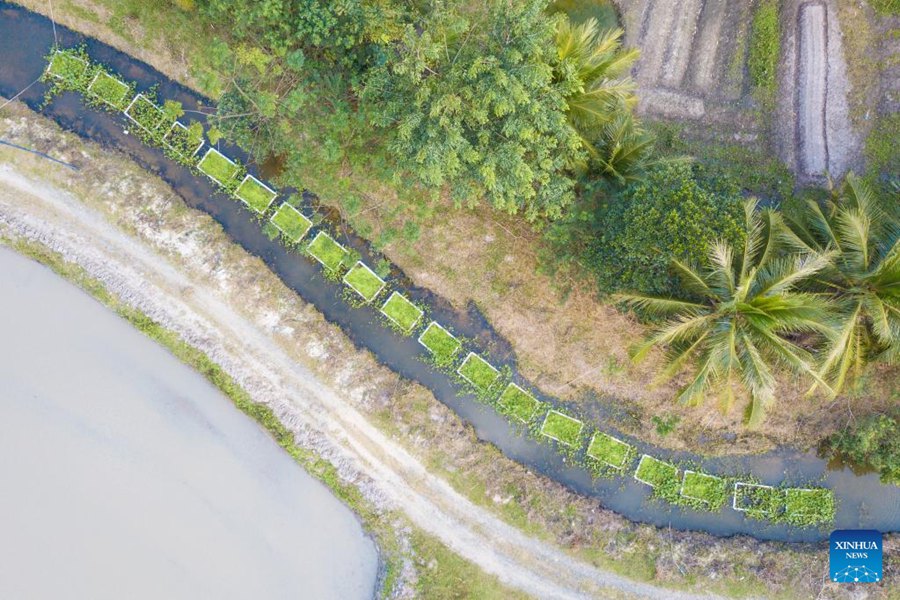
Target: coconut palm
[[744, 317], [594, 68], [862, 233]]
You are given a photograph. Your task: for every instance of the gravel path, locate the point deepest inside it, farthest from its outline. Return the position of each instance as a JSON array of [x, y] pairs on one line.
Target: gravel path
[[318, 414], [812, 82]]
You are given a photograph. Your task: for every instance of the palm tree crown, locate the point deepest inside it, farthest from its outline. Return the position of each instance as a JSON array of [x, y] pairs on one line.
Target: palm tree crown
[[862, 234], [744, 319]]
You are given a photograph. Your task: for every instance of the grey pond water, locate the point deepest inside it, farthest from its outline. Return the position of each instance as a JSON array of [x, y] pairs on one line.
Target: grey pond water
[[124, 474], [25, 38]]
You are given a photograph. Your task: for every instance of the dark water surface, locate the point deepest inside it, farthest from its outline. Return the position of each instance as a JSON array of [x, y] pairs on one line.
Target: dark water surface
[[24, 40]]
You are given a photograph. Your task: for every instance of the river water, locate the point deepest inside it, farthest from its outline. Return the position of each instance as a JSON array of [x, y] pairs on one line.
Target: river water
[[863, 501], [125, 474]]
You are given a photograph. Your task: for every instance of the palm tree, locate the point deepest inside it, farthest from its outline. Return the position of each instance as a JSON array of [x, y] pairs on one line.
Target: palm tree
[[593, 68], [862, 233], [744, 318]]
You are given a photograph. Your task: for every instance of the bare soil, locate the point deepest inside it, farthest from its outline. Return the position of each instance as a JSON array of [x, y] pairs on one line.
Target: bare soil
[[177, 265]]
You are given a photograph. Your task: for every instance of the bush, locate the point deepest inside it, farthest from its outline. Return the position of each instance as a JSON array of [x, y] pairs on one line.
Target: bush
[[873, 442], [668, 215]]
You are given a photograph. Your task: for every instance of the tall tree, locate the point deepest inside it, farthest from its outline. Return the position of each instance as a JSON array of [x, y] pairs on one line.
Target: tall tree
[[861, 232], [746, 319]]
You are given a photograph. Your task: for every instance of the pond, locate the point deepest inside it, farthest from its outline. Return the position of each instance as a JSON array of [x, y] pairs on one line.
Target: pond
[[126, 473]]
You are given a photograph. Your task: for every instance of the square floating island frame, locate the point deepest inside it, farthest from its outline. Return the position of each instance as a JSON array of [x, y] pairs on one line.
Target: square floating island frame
[[653, 472], [109, 89], [442, 344], [56, 68], [291, 222], [403, 313], [518, 403], [134, 113], [562, 428], [610, 450], [327, 251], [744, 490], [699, 483], [179, 128], [218, 167], [481, 374], [364, 281], [255, 194]]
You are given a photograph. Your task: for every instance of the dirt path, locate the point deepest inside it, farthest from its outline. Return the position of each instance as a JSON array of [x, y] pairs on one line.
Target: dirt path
[[242, 347], [812, 82]]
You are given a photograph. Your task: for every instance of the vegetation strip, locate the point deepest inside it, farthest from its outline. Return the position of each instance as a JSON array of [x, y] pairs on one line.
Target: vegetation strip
[[72, 70]]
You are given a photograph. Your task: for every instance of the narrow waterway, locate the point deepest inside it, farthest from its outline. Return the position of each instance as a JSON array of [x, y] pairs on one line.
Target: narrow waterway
[[125, 474], [863, 501]]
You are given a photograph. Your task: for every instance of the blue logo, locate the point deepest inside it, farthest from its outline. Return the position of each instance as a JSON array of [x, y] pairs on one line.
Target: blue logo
[[855, 556]]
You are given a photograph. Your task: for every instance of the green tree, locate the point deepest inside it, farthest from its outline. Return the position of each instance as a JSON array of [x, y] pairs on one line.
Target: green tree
[[862, 235], [743, 317], [472, 103], [667, 215]]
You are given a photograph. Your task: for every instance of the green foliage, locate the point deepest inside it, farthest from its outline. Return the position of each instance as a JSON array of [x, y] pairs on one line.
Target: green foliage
[[710, 492], [743, 315], [886, 7], [563, 429], [858, 234], [872, 442], [665, 425], [662, 476], [479, 373], [443, 345], [402, 313], [664, 217], [517, 403], [765, 48], [472, 103]]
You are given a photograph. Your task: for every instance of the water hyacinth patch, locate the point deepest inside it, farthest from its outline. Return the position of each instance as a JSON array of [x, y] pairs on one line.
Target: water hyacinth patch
[[758, 501], [218, 167], [478, 372], [255, 194], [110, 90], [808, 507], [69, 67], [442, 344], [710, 490], [402, 313], [327, 251], [364, 281], [145, 113], [517, 403], [184, 140], [562, 428], [291, 222], [610, 451]]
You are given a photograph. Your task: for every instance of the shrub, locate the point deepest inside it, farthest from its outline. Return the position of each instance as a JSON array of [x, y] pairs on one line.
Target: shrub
[[873, 442], [668, 215]]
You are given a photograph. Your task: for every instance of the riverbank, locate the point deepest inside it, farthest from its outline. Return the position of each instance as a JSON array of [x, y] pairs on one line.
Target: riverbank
[[215, 268]]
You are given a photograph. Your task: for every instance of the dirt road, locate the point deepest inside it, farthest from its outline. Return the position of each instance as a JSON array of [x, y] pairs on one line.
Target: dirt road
[[812, 84], [319, 415]]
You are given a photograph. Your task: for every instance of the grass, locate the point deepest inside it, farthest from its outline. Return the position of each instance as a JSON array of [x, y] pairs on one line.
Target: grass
[[562, 428], [479, 372], [403, 313], [609, 450], [110, 90], [364, 281], [218, 167], [656, 473], [518, 403], [442, 344], [67, 67], [255, 194], [327, 251], [806, 507], [708, 489], [145, 113], [291, 222], [765, 48]]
